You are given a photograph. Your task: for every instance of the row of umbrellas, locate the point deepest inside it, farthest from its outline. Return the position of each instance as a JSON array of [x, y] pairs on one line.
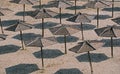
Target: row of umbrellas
[[79, 18], [59, 4], [84, 46]]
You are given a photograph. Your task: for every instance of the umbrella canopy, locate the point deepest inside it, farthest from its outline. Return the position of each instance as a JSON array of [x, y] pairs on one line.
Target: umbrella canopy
[[97, 4], [110, 31], [87, 46], [41, 42], [3, 12], [20, 26], [30, 2], [2, 37], [65, 30], [60, 4], [81, 18], [41, 14], [24, 2], [116, 20], [75, 2]]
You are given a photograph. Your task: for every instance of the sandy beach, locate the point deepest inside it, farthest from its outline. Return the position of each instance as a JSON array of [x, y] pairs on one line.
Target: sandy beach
[[55, 60]]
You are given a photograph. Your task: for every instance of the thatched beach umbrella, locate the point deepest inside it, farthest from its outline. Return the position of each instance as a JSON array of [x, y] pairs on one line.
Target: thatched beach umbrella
[[41, 14], [60, 4], [81, 18], [116, 20], [110, 31], [24, 2], [3, 12], [42, 42], [75, 2], [97, 4], [65, 30], [2, 37], [87, 46], [20, 26]]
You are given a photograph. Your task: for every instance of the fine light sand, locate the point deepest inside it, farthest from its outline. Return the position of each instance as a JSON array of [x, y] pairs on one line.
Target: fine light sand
[[102, 63]]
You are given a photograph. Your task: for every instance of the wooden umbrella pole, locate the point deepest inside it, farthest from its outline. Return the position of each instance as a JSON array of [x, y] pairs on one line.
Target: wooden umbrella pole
[[60, 15], [39, 4], [75, 6], [22, 42], [23, 12], [97, 17], [112, 47], [42, 57], [82, 31], [90, 62], [65, 44], [42, 27], [112, 8], [1, 26]]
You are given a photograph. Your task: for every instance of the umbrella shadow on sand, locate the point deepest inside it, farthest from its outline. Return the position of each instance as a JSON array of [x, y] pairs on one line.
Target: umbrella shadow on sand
[[8, 22], [88, 27], [27, 36], [42, 6], [77, 7], [22, 69], [21, 13], [46, 25], [95, 57], [68, 39], [64, 15], [48, 53], [110, 9], [103, 17], [69, 71], [8, 49], [116, 42]]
